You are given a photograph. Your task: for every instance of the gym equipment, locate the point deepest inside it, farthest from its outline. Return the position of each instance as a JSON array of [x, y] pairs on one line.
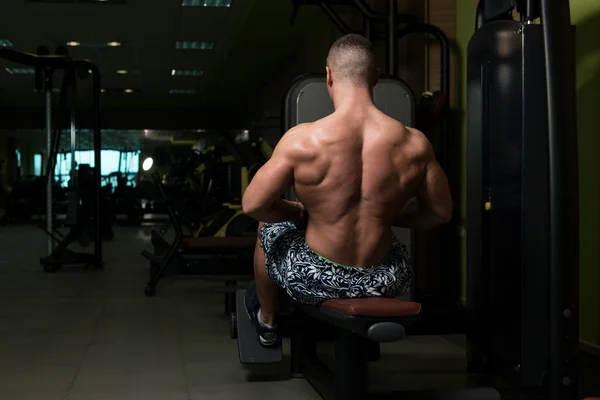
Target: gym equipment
[[431, 117], [45, 65], [80, 204], [431, 109], [514, 134], [220, 242], [358, 326], [218, 255], [125, 200], [377, 320], [522, 197]]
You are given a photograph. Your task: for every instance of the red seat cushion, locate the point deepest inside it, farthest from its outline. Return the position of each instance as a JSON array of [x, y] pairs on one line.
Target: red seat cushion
[[215, 243], [374, 307]]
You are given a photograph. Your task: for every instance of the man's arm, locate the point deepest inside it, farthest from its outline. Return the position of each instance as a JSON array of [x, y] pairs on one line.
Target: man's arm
[[432, 204], [262, 198]]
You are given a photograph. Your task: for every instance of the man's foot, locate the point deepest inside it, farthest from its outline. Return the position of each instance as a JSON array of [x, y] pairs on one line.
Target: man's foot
[[267, 335]]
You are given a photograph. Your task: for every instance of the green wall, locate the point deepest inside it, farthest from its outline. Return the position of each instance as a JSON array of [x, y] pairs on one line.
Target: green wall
[[586, 16]]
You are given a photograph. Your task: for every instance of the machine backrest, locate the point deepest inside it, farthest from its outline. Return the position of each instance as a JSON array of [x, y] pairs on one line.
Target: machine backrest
[[307, 100]]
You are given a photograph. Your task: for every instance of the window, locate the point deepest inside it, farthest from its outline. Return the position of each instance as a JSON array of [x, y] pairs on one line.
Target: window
[[110, 162], [127, 163], [62, 169], [130, 162], [85, 157], [37, 165]]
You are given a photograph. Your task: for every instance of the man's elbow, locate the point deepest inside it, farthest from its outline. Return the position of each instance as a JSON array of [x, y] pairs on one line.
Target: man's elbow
[[252, 208], [248, 207]]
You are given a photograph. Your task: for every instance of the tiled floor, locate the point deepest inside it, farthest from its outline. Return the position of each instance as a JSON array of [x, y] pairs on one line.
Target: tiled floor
[[83, 334]]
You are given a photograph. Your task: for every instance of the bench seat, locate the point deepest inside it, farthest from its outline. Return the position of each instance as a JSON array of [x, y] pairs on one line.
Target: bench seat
[[379, 319]]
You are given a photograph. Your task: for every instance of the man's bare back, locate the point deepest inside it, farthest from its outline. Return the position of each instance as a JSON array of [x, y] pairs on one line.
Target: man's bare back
[[355, 172]]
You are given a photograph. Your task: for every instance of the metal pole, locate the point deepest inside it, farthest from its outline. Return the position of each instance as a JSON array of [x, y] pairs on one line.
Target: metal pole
[[50, 173], [557, 35], [334, 18], [97, 163], [392, 54], [367, 12], [73, 131]]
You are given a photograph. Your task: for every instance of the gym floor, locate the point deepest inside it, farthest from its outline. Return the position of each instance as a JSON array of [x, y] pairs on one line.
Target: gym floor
[[83, 334]]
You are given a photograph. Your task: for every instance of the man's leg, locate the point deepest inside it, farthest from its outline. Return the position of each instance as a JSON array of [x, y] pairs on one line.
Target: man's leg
[[267, 290]]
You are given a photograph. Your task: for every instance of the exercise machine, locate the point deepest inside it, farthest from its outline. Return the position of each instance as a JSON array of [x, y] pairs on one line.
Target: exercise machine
[[522, 229], [442, 296], [522, 196], [45, 65], [125, 199], [361, 323], [220, 243]]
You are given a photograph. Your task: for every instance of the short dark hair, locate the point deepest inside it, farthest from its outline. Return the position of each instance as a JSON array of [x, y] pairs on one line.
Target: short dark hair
[[351, 58]]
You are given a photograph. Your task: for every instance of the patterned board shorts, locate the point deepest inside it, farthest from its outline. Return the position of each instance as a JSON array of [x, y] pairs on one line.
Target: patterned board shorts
[[310, 278]]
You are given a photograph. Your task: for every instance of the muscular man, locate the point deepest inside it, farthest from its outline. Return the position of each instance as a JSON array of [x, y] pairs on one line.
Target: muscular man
[[357, 173]]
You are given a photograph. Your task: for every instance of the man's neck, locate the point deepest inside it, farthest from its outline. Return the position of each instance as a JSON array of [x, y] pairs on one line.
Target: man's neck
[[350, 96]]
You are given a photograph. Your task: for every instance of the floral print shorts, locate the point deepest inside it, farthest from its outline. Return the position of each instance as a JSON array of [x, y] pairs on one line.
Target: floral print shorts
[[310, 278]]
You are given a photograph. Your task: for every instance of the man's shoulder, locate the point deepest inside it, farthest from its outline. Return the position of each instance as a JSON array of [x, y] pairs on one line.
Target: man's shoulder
[[407, 141], [416, 135], [298, 130], [420, 144], [297, 141]]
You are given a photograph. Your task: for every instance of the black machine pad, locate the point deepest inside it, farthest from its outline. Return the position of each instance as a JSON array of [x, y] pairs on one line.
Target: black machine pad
[[250, 349]]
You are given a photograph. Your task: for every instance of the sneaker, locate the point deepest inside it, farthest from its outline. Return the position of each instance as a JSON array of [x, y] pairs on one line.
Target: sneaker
[[266, 336]]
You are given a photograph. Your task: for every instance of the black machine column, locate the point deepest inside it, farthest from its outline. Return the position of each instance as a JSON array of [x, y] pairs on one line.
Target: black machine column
[[563, 172], [522, 199]]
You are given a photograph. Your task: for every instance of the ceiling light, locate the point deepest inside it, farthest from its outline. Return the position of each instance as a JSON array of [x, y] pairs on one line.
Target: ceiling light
[[206, 3], [20, 71], [128, 90], [182, 91], [5, 43], [186, 72], [102, 90], [113, 44], [73, 44], [122, 71], [193, 45]]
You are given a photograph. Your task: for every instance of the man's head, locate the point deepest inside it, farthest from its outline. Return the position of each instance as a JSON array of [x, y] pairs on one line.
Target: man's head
[[351, 61]]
